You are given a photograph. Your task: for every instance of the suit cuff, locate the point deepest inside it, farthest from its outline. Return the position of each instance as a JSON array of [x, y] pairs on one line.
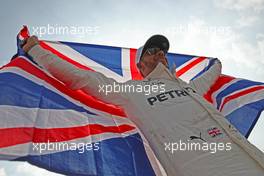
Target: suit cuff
[[36, 51]]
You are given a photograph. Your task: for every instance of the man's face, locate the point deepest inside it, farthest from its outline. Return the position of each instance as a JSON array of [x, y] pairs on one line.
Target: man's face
[[150, 60]]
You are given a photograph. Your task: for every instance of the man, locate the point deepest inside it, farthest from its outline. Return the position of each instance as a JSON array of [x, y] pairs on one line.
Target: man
[[176, 115]]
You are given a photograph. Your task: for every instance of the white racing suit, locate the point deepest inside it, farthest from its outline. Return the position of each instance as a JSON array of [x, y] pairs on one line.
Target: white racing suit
[[177, 116]]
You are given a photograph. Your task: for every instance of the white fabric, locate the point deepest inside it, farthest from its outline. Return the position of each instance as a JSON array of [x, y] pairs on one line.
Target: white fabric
[[176, 115]]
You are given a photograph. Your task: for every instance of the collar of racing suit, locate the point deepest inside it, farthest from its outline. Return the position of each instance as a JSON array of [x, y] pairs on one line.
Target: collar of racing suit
[[160, 72]]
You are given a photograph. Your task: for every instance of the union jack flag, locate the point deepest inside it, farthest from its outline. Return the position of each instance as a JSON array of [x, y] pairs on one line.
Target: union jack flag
[[214, 131], [37, 108]]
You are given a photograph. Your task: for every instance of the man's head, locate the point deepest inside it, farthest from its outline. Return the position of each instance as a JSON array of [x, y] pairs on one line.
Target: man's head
[[153, 52]]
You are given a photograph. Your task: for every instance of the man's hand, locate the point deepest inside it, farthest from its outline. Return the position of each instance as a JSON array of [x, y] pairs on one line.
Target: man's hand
[[30, 42]]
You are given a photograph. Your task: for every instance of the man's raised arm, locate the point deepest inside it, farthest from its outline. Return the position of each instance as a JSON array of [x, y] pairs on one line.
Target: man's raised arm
[[206, 80], [72, 76]]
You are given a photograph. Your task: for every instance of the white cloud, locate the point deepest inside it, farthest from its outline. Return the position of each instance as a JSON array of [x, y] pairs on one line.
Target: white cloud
[[248, 10], [2, 172], [260, 39], [239, 5], [30, 170], [247, 20]]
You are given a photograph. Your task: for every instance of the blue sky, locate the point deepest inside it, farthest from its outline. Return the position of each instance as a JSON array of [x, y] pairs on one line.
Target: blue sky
[[231, 30]]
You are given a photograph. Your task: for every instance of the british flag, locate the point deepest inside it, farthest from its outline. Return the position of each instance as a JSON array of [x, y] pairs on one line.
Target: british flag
[[37, 108], [213, 132]]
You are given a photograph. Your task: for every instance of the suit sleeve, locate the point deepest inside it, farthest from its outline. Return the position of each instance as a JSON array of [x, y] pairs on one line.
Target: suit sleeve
[[76, 78], [203, 83]]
